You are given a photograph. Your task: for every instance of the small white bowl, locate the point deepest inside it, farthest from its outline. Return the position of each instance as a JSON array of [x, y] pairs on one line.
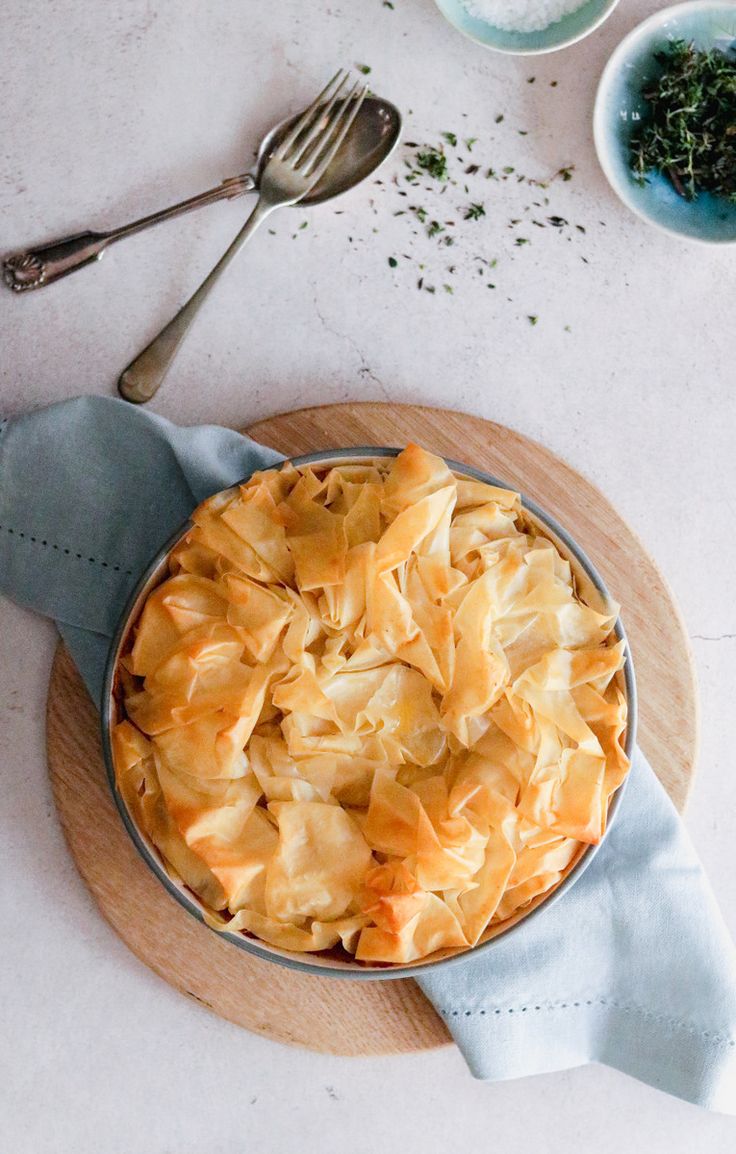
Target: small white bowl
[[568, 30]]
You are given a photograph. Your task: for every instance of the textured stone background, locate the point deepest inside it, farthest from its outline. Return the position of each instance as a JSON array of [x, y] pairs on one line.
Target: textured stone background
[[111, 110]]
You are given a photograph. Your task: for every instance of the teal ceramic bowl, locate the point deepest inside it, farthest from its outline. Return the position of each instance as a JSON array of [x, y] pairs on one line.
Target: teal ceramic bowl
[[619, 106], [563, 32]]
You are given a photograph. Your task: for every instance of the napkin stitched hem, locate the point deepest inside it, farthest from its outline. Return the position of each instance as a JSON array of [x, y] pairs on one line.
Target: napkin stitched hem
[[44, 543], [597, 1003]]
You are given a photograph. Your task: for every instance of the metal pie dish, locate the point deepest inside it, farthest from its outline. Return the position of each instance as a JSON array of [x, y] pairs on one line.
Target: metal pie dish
[[336, 963]]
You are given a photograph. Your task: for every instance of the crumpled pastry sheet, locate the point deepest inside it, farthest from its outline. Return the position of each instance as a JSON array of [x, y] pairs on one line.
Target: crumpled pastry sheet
[[368, 709]]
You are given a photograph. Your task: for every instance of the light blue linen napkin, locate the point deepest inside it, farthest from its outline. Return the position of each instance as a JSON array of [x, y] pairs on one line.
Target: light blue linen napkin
[[633, 966]]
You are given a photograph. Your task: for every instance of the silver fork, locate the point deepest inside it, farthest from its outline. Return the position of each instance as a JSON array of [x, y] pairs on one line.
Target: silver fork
[[289, 175]]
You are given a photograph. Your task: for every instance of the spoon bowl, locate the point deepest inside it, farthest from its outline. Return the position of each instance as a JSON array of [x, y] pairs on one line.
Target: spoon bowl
[[370, 140]]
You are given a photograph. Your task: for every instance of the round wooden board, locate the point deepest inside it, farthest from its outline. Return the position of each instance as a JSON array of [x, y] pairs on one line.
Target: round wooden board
[[343, 1017]]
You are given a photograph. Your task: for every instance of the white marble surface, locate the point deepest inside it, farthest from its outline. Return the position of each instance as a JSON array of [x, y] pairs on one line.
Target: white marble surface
[[108, 111]]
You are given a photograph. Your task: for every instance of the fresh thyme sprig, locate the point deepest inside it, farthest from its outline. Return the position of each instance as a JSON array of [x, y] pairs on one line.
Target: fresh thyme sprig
[[689, 134]]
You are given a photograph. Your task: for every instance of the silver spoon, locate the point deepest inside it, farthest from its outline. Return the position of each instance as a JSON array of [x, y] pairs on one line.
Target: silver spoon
[[371, 138]]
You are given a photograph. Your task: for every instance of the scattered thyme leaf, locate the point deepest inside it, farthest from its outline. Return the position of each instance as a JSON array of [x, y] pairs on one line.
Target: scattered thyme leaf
[[434, 162], [442, 164], [364, 68], [532, 320]]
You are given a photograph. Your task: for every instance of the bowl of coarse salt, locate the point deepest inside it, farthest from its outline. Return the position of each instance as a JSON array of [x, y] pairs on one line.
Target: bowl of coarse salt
[[526, 27]]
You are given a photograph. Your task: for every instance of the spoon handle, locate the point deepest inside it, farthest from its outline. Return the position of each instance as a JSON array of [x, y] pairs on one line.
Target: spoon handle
[[143, 376], [41, 266]]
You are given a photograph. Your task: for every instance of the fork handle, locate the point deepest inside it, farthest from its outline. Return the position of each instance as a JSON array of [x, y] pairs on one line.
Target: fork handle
[[143, 376], [41, 266]]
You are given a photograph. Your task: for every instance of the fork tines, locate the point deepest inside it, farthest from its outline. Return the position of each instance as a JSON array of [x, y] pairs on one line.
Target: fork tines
[[319, 132]]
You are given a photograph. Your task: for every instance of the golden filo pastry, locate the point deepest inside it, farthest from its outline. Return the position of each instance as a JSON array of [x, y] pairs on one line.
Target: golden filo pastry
[[369, 710]]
